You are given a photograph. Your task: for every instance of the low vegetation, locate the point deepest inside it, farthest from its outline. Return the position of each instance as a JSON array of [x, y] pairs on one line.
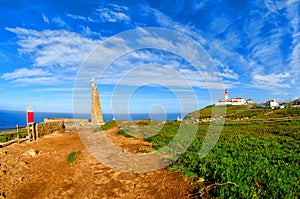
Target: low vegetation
[[13, 135], [165, 135], [72, 157], [234, 112], [262, 160], [125, 133], [250, 160], [108, 125]]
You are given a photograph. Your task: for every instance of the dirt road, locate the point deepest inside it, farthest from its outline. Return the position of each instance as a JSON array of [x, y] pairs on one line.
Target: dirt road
[[40, 170]]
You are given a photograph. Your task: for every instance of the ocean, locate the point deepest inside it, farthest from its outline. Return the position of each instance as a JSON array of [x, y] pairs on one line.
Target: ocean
[[9, 119]]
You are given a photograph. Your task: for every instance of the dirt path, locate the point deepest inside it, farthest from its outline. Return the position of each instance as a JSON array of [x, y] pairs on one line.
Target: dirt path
[[25, 174]]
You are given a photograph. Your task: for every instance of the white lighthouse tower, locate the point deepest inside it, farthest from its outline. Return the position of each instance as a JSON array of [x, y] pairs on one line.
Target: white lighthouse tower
[[226, 95]]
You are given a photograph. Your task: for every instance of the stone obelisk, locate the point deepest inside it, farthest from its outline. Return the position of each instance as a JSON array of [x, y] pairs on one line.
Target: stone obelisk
[[96, 113]]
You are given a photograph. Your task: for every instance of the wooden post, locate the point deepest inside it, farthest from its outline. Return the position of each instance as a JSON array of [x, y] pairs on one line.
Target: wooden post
[[36, 131], [33, 132], [18, 136], [28, 131]]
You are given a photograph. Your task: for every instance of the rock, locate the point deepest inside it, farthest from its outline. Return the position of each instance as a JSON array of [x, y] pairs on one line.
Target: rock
[[200, 180], [2, 173], [22, 179], [32, 152], [2, 195], [25, 163]]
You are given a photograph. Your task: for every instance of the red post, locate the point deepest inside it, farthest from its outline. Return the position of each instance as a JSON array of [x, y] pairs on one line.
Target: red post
[[30, 120], [30, 115]]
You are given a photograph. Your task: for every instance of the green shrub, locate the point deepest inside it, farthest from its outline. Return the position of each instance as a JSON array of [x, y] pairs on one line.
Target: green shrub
[[125, 133], [108, 125], [72, 157]]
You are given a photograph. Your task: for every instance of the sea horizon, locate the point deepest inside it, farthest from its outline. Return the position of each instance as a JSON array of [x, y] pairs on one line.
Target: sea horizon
[[10, 118]]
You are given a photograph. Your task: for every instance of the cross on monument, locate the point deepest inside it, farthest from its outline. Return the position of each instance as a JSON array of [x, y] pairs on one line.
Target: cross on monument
[[93, 82]]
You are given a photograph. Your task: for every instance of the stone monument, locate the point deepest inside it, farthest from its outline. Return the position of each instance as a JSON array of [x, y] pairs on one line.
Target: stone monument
[[96, 113]]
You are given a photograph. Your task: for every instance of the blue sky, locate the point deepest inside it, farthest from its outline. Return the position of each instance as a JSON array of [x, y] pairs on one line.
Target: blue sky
[[255, 46]]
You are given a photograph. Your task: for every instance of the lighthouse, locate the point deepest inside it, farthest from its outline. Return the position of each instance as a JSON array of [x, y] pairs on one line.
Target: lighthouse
[[226, 95]]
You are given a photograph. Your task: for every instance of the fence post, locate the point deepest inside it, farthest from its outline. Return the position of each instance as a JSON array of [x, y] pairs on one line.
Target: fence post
[[33, 132], [28, 131], [36, 130], [18, 136]]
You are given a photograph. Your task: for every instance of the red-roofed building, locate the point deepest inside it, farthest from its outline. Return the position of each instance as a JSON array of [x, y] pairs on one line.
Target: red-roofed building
[[272, 103], [249, 101]]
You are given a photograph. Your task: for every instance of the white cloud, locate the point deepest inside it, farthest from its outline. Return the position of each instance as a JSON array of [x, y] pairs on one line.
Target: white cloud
[[219, 25], [113, 13], [57, 48], [46, 20], [271, 81], [225, 72], [56, 56], [24, 72], [41, 81], [294, 19], [86, 19], [275, 6], [106, 13], [58, 21], [34, 76]]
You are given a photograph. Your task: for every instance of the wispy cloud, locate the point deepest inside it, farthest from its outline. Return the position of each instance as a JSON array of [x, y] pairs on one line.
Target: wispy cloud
[[46, 20], [293, 10], [225, 71], [272, 81], [106, 12], [256, 43], [274, 46], [83, 18], [250, 49], [61, 23], [35, 76], [41, 81], [54, 48], [24, 72], [56, 56]]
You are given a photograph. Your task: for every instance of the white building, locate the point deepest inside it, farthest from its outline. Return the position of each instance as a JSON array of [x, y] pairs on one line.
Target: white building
[[231, 101], [249, 101], [272, 103], [238, 101], [269, 104]]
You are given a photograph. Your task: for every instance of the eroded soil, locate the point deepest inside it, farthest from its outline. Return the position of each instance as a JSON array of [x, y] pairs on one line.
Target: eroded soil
[[46, 174]]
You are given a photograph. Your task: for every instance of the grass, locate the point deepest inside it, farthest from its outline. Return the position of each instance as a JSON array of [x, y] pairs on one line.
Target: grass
[[234, 112], [250, 160], [5, 138], [165, 135], [263, 161], [108, 125], [72, 157], [125, 133]]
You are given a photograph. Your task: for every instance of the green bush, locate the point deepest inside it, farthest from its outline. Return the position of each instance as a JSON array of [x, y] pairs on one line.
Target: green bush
[[125, 133], [108, 125], [72, 157]]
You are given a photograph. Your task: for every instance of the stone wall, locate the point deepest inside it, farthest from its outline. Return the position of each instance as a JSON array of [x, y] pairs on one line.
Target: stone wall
[[45, 128], [80, 122]]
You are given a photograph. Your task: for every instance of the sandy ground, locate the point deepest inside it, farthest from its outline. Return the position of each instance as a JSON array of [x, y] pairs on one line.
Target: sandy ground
[[46, 174]]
